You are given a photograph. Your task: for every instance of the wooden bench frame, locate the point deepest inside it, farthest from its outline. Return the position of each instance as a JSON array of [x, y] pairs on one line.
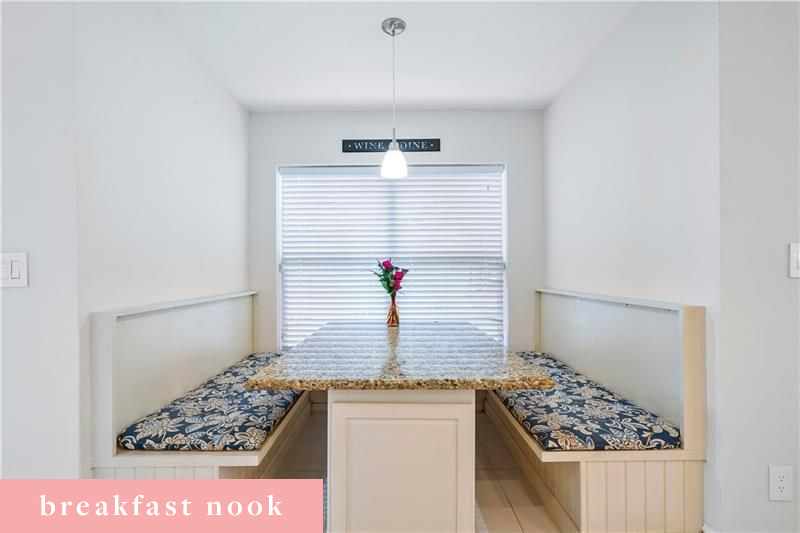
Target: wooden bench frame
[[149, 342], [616, 490]]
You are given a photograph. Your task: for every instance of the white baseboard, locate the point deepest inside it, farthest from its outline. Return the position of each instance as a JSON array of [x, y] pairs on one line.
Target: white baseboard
[[707, 529]]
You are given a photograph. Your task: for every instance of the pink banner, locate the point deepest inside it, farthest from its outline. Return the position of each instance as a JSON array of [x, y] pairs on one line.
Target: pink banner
[[146, 505]]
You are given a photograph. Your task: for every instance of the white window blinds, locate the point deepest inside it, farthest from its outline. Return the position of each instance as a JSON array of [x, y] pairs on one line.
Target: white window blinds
[[445, 224]]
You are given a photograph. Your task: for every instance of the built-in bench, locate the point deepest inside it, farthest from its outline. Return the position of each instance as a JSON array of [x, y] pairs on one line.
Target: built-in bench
[[619, 443], [219, 415], [579, 414], [153, 420]]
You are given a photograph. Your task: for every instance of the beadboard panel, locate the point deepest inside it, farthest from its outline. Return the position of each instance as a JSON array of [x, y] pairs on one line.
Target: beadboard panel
[[161, 472], [643, 496]]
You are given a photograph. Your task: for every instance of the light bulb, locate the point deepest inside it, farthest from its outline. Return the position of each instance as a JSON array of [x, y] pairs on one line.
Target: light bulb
[[394, 163]]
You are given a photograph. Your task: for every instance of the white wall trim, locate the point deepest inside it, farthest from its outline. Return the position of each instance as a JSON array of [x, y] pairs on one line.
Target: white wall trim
[[636, 302], [175, 304]]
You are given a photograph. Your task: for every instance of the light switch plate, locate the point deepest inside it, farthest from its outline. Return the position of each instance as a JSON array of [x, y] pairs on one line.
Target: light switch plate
[[781, 483], [14, 270], [794, 260]]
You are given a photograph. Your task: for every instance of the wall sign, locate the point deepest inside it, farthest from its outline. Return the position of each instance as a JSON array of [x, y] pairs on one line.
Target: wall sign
[[381, 145]]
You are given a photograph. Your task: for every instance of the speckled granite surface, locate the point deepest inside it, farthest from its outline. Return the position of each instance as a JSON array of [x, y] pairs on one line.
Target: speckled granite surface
[[417, 355]]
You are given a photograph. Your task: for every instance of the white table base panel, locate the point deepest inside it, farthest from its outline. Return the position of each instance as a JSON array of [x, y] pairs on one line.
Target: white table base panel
[[401, 460]]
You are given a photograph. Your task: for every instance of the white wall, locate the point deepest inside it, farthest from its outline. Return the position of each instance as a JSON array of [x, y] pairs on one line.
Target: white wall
[[512, 138], [760, 308], [159, 200], [640, 200], [40, 322], [163, 165], [631, 163]]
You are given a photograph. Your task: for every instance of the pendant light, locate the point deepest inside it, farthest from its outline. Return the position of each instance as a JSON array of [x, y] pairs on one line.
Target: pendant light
[[394, 163]]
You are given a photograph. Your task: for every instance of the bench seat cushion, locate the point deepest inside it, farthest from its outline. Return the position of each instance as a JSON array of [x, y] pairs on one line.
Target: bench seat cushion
[[218, 415], [579, 414]]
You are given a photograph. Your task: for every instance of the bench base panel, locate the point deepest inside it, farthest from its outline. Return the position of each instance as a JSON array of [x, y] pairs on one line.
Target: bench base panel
[[158, 472]]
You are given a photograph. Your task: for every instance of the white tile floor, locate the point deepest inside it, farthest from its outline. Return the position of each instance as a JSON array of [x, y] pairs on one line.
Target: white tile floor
[[505, 501]]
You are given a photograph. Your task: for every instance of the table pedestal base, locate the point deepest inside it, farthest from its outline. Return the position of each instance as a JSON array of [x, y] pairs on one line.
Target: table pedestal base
[[401, 460]]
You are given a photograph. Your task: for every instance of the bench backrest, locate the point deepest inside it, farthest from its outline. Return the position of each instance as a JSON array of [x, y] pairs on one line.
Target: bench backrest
[[144, 357], [651, 353]]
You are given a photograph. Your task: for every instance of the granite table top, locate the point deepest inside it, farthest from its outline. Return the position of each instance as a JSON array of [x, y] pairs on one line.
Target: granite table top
[[363, 355]]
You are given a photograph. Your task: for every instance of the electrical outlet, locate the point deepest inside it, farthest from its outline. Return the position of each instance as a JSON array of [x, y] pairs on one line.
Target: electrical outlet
[[781, 483]]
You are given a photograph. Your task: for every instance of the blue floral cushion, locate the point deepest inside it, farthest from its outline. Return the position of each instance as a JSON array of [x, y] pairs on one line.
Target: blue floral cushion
[[579, 414], [218, 415]]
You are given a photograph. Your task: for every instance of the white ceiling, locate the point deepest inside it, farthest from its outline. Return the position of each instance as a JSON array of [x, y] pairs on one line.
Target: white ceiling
[[334, 56]]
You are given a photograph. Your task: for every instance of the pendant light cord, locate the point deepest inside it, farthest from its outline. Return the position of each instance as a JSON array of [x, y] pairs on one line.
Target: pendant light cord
[[394, 93]]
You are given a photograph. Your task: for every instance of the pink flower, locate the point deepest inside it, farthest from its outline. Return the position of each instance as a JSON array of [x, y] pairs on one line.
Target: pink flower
[[398, 275], [397, 286], [387, 265]]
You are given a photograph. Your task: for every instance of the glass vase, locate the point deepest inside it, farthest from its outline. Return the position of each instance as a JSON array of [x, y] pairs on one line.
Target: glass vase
[[392, 317]]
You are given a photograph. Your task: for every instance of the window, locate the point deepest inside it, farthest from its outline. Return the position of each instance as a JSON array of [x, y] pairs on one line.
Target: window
[[445, 224]]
